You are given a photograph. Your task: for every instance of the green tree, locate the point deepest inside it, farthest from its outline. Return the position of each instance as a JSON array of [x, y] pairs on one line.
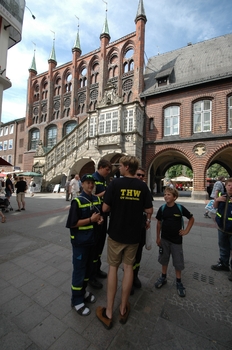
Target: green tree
[[179, 169], [216, 170]]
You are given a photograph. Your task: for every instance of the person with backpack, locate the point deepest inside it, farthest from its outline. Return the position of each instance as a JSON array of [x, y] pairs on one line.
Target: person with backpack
[[223, 204], [169, 235]]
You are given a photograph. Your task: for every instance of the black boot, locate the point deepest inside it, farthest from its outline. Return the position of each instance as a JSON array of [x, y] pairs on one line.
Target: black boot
[[136, 281]]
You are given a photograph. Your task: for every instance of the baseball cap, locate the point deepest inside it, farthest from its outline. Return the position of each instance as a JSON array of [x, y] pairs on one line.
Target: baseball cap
[[87, 177]]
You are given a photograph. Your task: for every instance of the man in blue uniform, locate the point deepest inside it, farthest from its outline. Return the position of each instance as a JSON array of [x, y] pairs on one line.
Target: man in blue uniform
[[84, 216]]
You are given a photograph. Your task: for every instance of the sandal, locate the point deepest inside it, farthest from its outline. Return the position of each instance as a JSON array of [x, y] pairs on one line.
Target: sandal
[[3, 219], [90, 298], [101, 315], [123, 318], [82, 310]]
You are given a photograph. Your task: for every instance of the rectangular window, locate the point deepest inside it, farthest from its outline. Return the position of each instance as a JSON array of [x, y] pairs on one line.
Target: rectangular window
[[21, 141], [108, 122], [10, 144], [6, 130], [1, 146], [9, 159], [128, 120], [202, 116], [20, 158], [5, 145], [11, 128], [171, 120], [230, 112], [1, 131], [92, 126]]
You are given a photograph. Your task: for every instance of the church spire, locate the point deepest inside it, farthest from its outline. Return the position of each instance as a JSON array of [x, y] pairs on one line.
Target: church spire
[[33, 64], [105, 30], [77, 45], [141, 12], [53, 53]]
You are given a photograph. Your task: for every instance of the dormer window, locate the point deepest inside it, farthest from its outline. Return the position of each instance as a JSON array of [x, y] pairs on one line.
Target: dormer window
[[163, 76]]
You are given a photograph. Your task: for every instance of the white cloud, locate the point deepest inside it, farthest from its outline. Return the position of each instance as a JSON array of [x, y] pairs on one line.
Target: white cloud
[[171, 24]]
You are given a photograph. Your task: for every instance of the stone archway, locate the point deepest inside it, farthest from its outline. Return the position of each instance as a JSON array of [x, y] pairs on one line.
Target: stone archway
[[161, 163]]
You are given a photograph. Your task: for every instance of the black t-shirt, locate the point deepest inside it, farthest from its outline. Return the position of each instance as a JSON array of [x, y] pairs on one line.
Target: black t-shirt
[[127, 198], [21, 186], [171, 222]]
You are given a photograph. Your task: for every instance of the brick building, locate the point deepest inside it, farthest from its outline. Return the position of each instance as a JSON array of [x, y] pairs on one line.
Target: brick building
[[101, 104], [188, 102], [12, 135]]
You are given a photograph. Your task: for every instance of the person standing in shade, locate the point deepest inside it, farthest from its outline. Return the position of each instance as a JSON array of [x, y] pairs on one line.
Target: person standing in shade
[[32, 186], [103, 170], [67, 194], [218, 187], [223, 204], [9, 189], [84, 216], [140, 174], [21, 187], [126, 198]]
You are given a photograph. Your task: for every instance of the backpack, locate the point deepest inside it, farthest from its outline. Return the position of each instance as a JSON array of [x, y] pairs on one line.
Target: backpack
[[180, 209]]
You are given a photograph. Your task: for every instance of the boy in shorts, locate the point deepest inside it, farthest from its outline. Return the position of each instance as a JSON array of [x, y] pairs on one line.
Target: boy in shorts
[[169, 233]]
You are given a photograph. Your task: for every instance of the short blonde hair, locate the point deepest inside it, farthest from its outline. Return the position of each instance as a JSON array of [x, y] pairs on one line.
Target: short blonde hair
[[173, 191]]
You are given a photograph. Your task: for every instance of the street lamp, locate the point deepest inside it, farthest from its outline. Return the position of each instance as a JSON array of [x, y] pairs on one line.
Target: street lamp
[[30, 12]]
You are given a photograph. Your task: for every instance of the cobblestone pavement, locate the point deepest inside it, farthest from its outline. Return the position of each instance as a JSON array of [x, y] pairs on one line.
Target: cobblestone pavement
[[35, 277]]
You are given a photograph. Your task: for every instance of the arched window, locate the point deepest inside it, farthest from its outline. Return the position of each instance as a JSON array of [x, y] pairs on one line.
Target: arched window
[[34, 140], [69, 127], [51, 136], [202, 114], [171, 120]]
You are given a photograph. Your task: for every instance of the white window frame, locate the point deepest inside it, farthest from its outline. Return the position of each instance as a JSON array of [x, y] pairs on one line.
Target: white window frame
[[171, 120], [128, 123], [11, 128], [10, 144], [1, 146], [35, 140], [92, 126], [5, 145], [6, 130], [108, 122], [1, 131], [230, 112], [9, 158], [202, 116]]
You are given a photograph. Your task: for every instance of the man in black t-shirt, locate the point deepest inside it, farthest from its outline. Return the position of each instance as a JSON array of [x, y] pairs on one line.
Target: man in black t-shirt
[[21, 187], [126, 199]]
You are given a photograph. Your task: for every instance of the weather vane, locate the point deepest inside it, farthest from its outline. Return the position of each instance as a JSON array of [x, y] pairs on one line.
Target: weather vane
[[53, 33], [34, 45], [106, 4], [78, 21]]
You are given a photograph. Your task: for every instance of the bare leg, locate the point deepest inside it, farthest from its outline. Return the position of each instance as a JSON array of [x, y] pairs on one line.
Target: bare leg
[[112, 282], [164, 269], [126, 287], [178, 274]]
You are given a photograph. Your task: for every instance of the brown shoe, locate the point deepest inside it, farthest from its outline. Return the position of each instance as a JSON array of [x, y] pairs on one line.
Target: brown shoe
[[101, 315], [123, 318]]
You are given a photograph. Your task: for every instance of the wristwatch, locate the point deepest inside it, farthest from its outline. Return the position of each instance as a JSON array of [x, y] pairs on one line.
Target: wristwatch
[[148, 220]]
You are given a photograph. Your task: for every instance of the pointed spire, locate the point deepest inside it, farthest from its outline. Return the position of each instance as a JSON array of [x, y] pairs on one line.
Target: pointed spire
[[77, 45], [33, 64], [140, 12], [53, 53], [105, 29]]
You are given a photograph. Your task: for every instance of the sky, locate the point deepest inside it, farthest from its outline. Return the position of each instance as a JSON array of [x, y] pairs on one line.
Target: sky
[[171, 24]]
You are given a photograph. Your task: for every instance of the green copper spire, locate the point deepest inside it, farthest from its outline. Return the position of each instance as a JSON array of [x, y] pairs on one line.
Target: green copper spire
[[33, 64], [105, 29], [53, 53], [77, 44], [141, 11]]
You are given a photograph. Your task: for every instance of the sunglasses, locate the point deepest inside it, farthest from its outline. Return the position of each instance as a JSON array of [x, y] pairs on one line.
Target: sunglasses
[[140, 175]]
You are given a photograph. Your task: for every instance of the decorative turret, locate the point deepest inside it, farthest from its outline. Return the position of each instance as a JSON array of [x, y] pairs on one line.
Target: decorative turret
[[33, 69], [141, 12], [77, 45], [105, 30], [52, 58]]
